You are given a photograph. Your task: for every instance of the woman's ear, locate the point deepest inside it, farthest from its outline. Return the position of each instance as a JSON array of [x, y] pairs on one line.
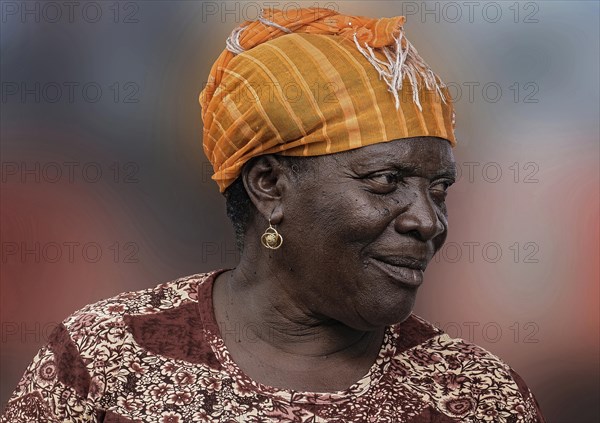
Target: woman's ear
[[265, 181]]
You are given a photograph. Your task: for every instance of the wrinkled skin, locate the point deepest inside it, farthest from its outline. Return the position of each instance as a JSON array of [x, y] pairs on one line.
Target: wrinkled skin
[[359, 228]]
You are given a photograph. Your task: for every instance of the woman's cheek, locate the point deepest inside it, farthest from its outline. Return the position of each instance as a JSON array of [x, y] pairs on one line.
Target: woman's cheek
[[366, 219]]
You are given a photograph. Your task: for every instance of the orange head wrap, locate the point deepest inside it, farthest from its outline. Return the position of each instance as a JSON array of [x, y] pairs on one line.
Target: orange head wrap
[[315, 83]]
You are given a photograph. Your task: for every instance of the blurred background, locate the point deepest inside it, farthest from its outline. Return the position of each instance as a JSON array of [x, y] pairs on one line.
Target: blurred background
[[105, 187]]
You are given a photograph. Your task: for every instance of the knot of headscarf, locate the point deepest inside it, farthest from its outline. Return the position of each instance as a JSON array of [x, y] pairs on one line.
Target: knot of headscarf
[[273, 23], [366, 56]]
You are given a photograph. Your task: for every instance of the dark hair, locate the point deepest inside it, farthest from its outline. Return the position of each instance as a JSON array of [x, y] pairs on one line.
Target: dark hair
[[240, 208]]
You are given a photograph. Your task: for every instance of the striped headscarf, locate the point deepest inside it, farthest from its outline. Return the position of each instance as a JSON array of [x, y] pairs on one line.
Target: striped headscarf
[[311, 81]]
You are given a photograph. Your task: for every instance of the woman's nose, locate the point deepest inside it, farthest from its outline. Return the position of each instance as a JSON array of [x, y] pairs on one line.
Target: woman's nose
[[420, 217]]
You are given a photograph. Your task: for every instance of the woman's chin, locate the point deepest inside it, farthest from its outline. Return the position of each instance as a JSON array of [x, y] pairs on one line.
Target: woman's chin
[[385, 314]]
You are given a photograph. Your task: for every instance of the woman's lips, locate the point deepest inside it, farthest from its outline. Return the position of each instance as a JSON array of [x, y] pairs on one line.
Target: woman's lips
[[401, 273]]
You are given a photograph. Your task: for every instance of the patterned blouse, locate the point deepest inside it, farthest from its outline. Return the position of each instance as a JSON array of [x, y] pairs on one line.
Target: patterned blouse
[[156, 356]]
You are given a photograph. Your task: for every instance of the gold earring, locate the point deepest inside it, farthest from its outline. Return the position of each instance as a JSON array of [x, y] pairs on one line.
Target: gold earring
[[271, 239]]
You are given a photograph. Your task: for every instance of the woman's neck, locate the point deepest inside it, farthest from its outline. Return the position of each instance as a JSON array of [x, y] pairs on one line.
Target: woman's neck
[[264, 311], [279, 342]]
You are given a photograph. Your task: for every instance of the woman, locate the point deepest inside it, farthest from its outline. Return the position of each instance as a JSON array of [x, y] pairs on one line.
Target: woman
[[331, 140]]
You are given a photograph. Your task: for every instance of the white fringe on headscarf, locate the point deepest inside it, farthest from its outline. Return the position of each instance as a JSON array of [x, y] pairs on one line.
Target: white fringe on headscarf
[[233, 41], [267, 22], [402, 62]]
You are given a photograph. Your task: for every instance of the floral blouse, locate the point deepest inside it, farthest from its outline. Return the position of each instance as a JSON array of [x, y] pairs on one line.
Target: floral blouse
[[157, 356]]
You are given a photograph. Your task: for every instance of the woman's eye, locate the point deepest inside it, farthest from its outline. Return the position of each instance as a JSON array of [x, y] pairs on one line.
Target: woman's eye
[[383, 182], [440, 189], [385, 178]]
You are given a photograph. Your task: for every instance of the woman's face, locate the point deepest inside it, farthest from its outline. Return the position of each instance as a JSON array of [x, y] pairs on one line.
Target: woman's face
[[360, 228]]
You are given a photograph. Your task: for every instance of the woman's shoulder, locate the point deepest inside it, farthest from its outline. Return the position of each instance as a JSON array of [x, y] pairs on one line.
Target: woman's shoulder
[[455, 367], [111, 315], [114, 311], [92, 354], [427, 345]]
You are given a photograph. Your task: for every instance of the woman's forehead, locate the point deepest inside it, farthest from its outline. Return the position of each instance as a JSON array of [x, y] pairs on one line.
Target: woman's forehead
[[423, 153]]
